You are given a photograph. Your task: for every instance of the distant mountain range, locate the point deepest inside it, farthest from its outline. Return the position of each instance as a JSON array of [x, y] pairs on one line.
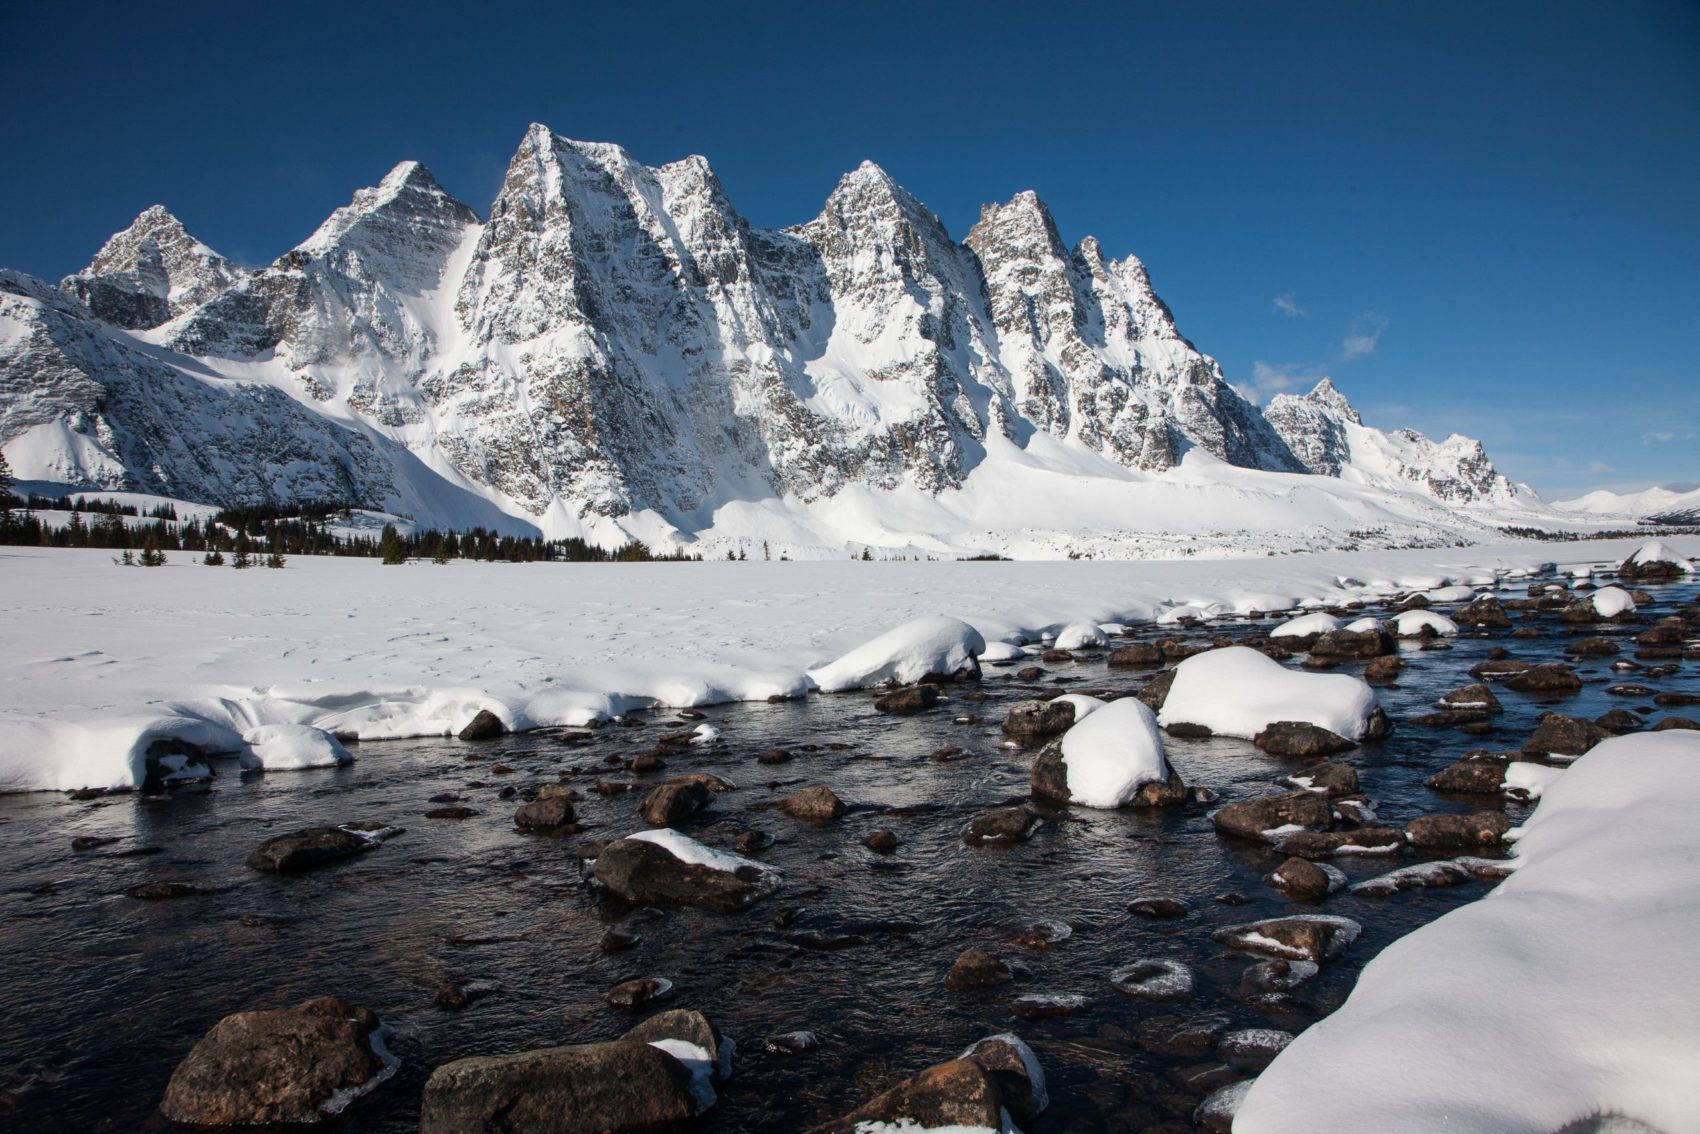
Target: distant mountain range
[[616, 352]]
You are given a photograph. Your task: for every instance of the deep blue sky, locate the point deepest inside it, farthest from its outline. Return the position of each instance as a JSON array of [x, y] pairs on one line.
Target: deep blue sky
[[1483, 217]]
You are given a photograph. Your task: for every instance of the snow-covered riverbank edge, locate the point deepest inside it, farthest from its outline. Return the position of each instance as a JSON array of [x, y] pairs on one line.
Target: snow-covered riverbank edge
[[97, 660]]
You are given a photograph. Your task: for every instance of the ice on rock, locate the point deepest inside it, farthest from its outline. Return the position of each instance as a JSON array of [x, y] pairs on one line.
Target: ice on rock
[[1238, 691], [927, 646], [283, 747], [1529, 781], [1111, 753], [1442, 1030], [1305, 625], [1412, 624], [1609, 602], [1081, 636]]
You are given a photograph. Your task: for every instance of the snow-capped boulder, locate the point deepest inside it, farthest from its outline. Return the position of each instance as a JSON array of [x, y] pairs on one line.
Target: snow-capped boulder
[[1654, 561], [277, 748], [1611, 602], [1423, 624], [1106, 759], [1081, 636], [1306, 626], [663, 867], [931, 647], [1237, 691]]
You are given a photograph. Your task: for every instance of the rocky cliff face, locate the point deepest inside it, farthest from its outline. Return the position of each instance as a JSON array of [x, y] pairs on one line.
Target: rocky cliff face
[[1326, 434], [616, 339]]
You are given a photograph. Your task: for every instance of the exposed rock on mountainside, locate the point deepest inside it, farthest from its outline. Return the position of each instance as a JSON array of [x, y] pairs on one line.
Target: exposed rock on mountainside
[[150, 272]]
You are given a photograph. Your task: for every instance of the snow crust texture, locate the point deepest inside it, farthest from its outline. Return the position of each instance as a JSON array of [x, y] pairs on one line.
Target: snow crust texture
[[1565, 995]]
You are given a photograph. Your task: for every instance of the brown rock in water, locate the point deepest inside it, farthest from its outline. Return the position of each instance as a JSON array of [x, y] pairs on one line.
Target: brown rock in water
[[1029, 673], [1139, 653], [673, 803], [1001, 825], [1497, 668], [305, 849], [1354, 644], [774, 756], [1564, 736], [812, 805], [680, 1024], [1471, 776], [543, 814], [1304, 880], [485, 726], [1252, 818], [624, 1087], [1056, 657], [1619, 721], [1484, 612], [1331, 779], [1161, 793], [1482, 829], [1475, 696], [1306, 937], [881, 841], [1674, 700], [908, 700], [1007, 1063], [1592, 648], [1301, 739], [958, 1093], [1671, 631], [277, 1066], [1326, 844], [1186, 730], [645, 874], [976, 968], [1156, 691], [1674, 722], [1549, 679], [1034, 720], [1383, 670], [633, 995]]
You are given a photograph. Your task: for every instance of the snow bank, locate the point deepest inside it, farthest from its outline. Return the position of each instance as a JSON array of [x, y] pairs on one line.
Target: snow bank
[[1609, 602], [278, 748], [1237, 691], [1529, 780], [1081, 636], [1111, 753], [935, 645], [1566, 994], [1306, 624], [1412, 623], [46, 755]]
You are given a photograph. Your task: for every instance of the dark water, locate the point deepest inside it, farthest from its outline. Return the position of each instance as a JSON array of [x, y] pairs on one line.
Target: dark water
[[105, 993]]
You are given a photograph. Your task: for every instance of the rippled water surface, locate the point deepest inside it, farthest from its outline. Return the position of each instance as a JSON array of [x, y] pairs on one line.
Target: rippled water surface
[[105, 993]]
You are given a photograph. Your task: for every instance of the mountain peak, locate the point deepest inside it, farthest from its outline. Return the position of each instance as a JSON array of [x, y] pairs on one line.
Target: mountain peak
[[150, 272], [1328, 396]]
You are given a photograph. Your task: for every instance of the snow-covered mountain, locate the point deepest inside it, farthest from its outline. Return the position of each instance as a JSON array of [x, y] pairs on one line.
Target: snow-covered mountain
[[1329, 438], [1666, 504], [617, 352]]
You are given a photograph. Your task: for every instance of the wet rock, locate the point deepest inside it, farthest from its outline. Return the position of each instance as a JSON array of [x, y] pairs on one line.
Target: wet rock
[[1422, 875], [960, 1093], [1327, 844], [1675, 700], [812, 805], [1039, 1006], [1139, 653], [1159, 907], [1279, 975], [1306, 881], [1481, 829], [1453, 718], [1477, 696], [278, 1066], [687, 1026], [1304, 937], [1495, 669], [1618, 721], [976, 968], [453, 811], [1215, 1115], [159, 891], [646, 763], [706, 780], [790, 1043], [1327, 777], [1188, 731], [1015, 1069], [1160, 981], [1000, 826], [1378, 726], [90, 842], [623, 1087], [1161, 793], [1473, 775], [452, 997], [305, 849], [1630, 690], [645, 874], [908, 700], [1056, 657], [1550, 679], [1253, 1049], [1653, 571], [1257, 818], [617, 939], [1485, 613], [749, 842], [635, 995], [543, 815], [1383, 670], [1301, 739], [1564, 736], [774, 756], [485, 726], [1592, 648], [1665, 632], [882, 841], [1675, 722], [1354, 644], [1029, 673], [1042, 934], [1035, 720], [673, 803]]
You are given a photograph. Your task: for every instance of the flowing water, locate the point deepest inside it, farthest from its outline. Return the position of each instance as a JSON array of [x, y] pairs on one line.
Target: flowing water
[[105, 993]]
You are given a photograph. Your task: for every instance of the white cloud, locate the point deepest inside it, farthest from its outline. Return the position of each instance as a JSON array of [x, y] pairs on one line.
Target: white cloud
[[1361, 340], [1597, 467], [1288, 306], [1267, 381], [1660, 436]]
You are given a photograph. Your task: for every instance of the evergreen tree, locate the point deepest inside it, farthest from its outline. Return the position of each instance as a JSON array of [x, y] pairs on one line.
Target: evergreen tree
[[243, 549], [765, 554], [214, 558], [5, 489], [394, 550], [151, 555], [128, 559], [274, 560]]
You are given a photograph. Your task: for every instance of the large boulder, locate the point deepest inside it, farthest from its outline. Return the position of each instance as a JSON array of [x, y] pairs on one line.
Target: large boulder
[[1016, 1069], [666, 868], [1113, 758], [1035, 720], [623, 1087], [305, 849], [1548, 680], [1258, 818], [812, 805], [1305, 937], [1473, 775], [1559, 735], [1482, 829], [961, 1093], [1302, 740], [286, 1065], [1484, 612], [674, 802]]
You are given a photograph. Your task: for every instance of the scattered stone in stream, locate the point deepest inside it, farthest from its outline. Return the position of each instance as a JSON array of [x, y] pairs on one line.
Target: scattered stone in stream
[[1676, 700], [1303, 937], [672, 803], [646, 763], [1619, 721], [812, 805], [1329, 844], [1549, 679], [1302, 740], [1485, 612], [1665, 632], [1252, 1049], [617, 939], [456, 811], [1161, 981], [1591, 648], [1139, 653], [158, 891], [790, 1043], [1159, 907], [1215, 1115], [635, 995], [645, 873], [1354, 644], [1383, 670], [1478, 773], [1481, 829], [750, 842], [1559, 735], [774, 756], [1042, 934], [1156, 691], [1328, 778], [485, 726], [976, 968], [1030, 673], [686, 1025], [908, 700], [882, 841], [453, 997], [1034, 720], [551, 814], [623, 1087], [285, 1065], [1306, 881], [1630, 690], [1477, 696], [1260, 819], [1015, 1069], [1675, 722], [1420, 876], [1038, 1006], [305, 849], [1000, 826], [957, 1094], [1453, 718], [90, 842], [1279, 975]]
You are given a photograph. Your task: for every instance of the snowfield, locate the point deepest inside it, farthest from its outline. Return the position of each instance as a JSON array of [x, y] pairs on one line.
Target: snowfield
[[1566, 994], [98, 661]]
